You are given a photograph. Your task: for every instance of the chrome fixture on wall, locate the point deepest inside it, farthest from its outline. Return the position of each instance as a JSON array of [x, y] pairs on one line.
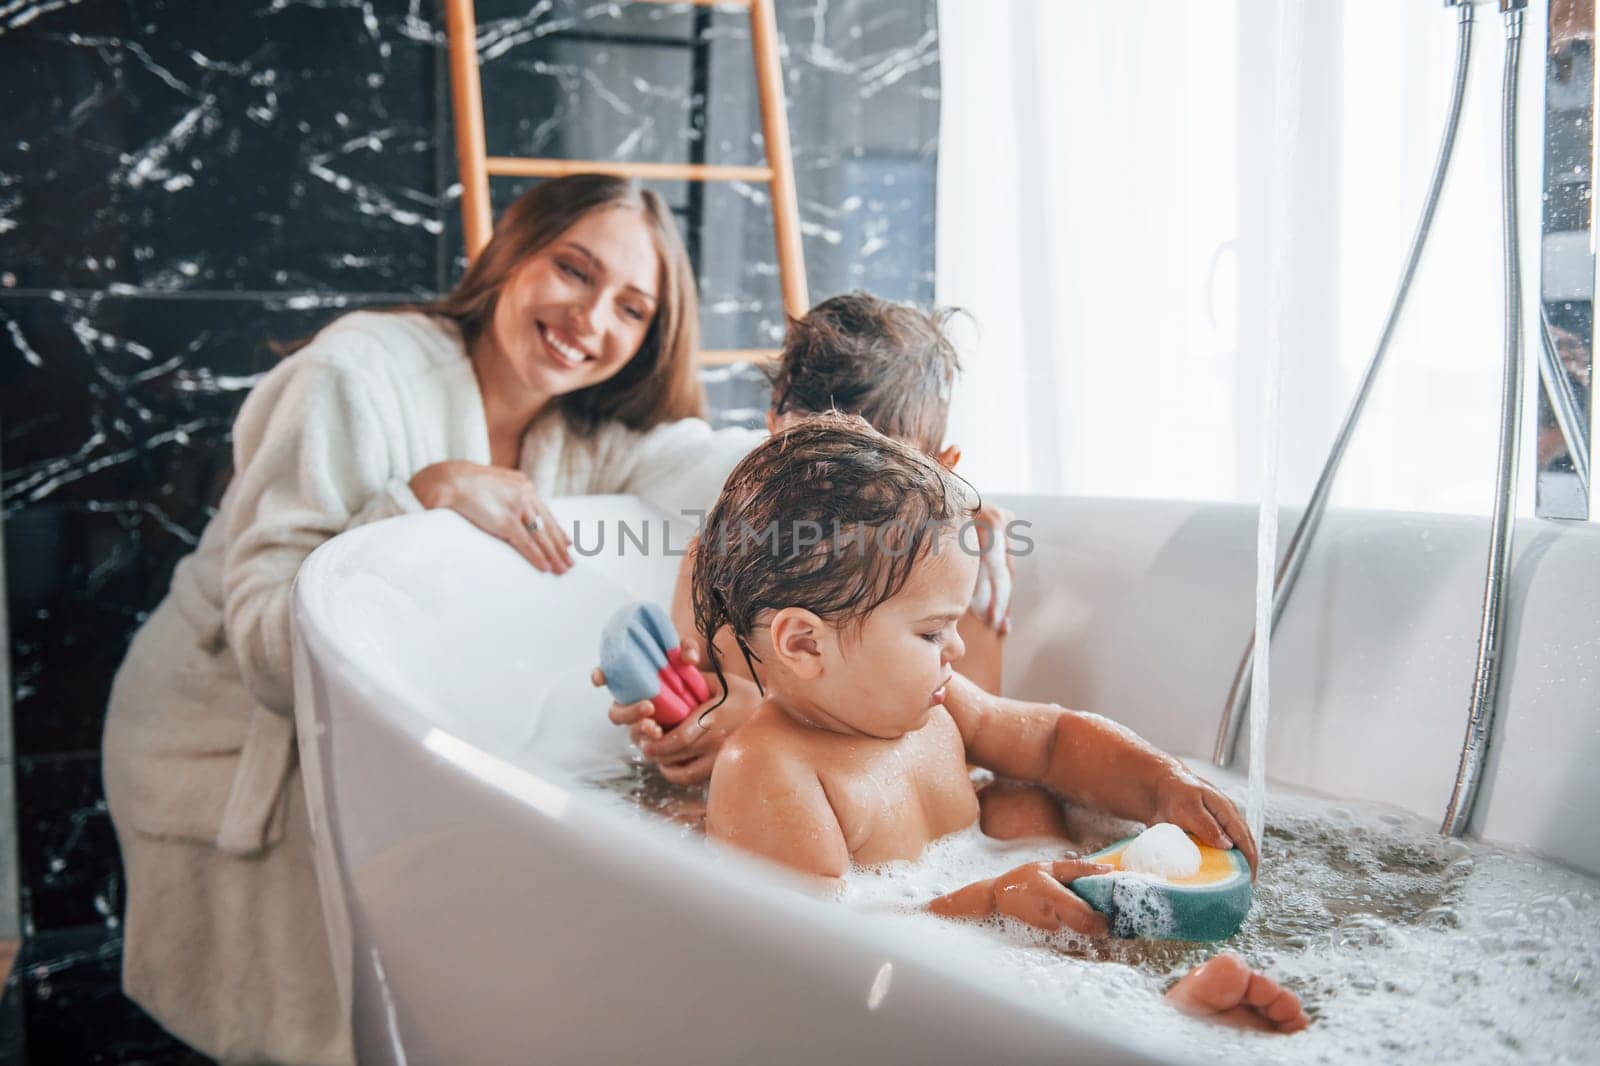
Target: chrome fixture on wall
[[1486, 673], [1238, 703], [1566, 267], [1567, 281]]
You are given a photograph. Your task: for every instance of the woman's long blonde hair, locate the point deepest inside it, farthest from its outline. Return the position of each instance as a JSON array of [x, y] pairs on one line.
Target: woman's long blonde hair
[[659, 384]]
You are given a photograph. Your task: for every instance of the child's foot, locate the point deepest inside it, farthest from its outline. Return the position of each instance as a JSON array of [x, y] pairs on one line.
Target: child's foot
[[1226, 990]]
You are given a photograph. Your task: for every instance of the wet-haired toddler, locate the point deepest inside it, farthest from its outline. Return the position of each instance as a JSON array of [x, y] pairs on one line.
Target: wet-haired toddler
[[858, 751]]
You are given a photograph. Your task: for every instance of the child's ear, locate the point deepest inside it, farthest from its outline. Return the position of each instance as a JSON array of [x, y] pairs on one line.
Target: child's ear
[[772, 420], [797, 637], [949, 457]]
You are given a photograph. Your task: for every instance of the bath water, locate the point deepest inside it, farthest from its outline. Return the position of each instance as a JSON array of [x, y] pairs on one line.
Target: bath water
[[1403, 946]]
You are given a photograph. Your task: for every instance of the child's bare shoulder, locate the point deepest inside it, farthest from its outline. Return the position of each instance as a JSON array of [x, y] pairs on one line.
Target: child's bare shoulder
[[766, 797], [764, 752]]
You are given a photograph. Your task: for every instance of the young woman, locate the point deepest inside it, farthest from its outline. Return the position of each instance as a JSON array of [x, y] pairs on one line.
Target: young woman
[[563, 363]]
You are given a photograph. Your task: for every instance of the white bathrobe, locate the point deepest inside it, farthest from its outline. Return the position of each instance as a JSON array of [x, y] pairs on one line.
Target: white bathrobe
[[225, 941]]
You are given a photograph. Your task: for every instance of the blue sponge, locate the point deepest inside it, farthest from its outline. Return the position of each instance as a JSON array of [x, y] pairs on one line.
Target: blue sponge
[[633, 649], [641, 659]]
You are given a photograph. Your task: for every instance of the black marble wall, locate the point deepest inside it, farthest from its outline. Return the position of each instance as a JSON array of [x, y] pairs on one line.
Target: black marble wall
[[183, 182]]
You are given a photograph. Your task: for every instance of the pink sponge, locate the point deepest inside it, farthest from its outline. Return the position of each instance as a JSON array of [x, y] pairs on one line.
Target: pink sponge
[[640, 656]]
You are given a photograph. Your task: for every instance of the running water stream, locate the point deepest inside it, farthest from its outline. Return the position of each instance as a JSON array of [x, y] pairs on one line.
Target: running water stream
[[1290, 30]]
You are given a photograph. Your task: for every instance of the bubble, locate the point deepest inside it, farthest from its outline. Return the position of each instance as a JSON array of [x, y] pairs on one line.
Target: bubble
[[1403, 947]]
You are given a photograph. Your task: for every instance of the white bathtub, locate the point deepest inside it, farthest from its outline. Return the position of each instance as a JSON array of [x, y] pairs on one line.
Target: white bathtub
[[486, 911]]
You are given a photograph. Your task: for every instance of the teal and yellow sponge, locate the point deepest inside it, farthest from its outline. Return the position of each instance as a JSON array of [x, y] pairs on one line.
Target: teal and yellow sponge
[[1209, 905]]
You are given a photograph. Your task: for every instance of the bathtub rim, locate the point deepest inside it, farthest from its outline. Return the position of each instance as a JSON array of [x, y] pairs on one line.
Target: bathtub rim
[[586, 820]]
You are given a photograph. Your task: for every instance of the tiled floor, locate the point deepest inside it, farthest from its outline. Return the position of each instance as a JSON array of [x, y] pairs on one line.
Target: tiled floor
[[63, 1003]]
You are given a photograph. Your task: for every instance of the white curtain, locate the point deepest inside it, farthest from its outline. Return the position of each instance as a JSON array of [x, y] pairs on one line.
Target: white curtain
[[1106, 172]]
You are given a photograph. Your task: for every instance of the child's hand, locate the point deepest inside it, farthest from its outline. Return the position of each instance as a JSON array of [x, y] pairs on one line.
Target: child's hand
[[1199, 807], [686, 753], [992, 596], [1035, 893], [636, 714]]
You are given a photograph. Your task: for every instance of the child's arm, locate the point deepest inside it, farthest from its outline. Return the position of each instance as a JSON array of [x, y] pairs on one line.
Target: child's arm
[[1035, 893], [991, 600], [984, 627], [1092, 761], [981, 663], [776, 808], [682, 611]]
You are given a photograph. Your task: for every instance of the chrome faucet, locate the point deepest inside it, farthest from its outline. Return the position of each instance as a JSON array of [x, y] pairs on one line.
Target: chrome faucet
[[1238, 702], [1565, 367]]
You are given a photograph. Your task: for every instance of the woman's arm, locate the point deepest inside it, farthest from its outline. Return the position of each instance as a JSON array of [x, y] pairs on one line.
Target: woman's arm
[[310, 460], [503, 503], [678, 466], [1092, 761]]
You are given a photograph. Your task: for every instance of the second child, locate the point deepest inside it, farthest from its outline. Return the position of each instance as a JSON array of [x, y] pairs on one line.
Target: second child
[[895, 367]]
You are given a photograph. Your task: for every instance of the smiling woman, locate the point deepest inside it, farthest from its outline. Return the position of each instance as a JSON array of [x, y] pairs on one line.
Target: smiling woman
[[561, 364]]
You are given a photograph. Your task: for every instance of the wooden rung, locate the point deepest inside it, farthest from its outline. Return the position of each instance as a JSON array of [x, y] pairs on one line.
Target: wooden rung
[[730, 356], [517, 167], [476, 165]]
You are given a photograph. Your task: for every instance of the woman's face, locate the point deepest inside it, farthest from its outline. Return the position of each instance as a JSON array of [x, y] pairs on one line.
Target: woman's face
[[578, 310]]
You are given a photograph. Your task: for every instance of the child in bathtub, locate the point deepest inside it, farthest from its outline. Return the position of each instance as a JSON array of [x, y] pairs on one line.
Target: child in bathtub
[[859, 750], [894, 366]]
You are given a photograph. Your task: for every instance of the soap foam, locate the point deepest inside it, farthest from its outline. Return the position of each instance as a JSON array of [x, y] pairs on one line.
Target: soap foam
[[1141, 909], [1403, 947], [1163, 851]]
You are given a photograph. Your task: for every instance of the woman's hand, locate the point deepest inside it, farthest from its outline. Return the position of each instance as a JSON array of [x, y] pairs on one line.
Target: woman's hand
[[1035, 893], [503, 504], [992, 596], [685, 754], [1200, 808]]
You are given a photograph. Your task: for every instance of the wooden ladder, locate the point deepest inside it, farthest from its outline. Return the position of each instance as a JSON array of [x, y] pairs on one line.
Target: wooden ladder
[[477, 165]]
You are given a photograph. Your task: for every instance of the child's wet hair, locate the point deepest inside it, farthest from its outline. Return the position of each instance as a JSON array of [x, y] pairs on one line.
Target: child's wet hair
[[829, 515], [889, 363]]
